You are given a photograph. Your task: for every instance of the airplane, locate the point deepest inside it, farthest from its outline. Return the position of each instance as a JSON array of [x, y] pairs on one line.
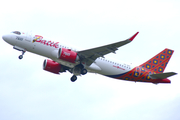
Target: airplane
[[62, 59]]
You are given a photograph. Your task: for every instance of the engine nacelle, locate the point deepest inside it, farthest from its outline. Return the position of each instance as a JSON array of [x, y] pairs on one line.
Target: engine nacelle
[[67, 55], [51, 66]]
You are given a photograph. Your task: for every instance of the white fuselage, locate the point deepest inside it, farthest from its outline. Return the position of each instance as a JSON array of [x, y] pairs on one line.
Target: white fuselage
[[50, 49]]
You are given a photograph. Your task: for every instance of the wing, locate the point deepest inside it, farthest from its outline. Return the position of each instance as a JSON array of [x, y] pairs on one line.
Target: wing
[[90, 55]]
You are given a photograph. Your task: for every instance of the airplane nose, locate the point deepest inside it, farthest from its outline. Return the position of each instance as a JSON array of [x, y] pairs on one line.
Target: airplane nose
[[9, 39], [5, 37]]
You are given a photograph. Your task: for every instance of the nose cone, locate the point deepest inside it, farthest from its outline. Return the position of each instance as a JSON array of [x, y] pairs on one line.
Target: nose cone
[[5, 37]]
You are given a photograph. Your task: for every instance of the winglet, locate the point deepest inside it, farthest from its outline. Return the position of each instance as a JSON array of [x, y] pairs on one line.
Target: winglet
[[131, 38]]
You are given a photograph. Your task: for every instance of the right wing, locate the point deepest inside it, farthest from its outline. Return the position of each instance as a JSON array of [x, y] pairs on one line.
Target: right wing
[[90, 55]]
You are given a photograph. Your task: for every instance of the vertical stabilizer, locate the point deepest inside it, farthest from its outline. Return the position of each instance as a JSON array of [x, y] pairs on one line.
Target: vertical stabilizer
[[159, 62]]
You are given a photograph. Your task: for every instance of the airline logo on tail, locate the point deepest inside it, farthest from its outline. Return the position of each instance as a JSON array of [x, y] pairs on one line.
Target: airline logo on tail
[[150, 71], [158, 63]]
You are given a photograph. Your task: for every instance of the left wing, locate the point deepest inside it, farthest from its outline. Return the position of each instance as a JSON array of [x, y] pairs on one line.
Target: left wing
[[90, 55]]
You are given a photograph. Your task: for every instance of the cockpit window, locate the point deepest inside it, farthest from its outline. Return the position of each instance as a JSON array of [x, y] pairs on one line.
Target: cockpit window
[[17, 32]]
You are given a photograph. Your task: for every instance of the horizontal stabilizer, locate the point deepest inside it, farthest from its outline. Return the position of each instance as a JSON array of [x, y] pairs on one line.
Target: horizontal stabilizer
[[162, 75]]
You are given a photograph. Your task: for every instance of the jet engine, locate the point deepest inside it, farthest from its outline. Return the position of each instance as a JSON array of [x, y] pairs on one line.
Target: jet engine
[[67, 55], [52, 66]]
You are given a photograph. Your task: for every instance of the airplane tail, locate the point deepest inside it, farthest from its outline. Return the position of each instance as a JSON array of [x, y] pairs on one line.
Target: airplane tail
[[158, 63]]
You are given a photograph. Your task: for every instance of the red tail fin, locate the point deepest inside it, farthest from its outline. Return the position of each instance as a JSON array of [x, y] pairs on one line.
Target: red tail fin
[[158, 63]]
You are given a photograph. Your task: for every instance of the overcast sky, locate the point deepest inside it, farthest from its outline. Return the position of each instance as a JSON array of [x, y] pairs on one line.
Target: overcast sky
[[27, 92]]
